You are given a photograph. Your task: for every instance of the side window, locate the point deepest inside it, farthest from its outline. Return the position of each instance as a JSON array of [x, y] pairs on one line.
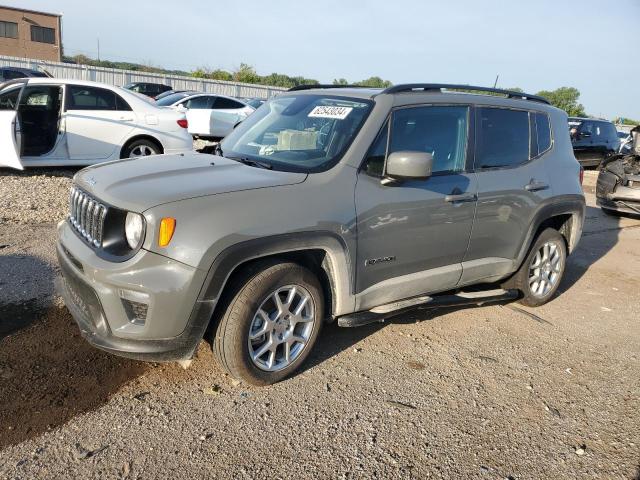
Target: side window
[[9, 98], [198, 103], [543, 130], [440, 131], [374, 164], [588, 128], [226, 104], [502, 138], [121, 104], [90, 98]]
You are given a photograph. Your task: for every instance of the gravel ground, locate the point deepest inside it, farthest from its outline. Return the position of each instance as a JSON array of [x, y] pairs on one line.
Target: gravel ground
[[494, 392]]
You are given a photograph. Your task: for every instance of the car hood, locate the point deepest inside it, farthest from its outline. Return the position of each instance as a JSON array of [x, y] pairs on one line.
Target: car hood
[[141, 183]]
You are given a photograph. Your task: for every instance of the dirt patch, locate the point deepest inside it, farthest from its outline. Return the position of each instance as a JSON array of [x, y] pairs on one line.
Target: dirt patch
[[49, 374]]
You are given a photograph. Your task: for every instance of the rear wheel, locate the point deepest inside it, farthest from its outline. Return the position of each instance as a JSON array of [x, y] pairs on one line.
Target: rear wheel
[[540, 274], [271, 322], [140, 148]]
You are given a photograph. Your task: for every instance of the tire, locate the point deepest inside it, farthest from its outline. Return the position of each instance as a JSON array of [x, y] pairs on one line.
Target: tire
[[536, 293], [140, 148], [252, 309]]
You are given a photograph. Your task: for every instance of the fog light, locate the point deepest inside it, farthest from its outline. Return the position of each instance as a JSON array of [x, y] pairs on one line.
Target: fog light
[[136, 306]]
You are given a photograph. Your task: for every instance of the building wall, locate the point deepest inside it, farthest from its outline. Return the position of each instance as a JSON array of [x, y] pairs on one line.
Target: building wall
[[23, 46]]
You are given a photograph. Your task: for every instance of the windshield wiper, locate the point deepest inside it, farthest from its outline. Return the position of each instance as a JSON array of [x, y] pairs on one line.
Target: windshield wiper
[[252, 163]]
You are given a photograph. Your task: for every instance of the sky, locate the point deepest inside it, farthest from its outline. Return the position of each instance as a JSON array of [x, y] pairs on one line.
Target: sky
[[534, 45]]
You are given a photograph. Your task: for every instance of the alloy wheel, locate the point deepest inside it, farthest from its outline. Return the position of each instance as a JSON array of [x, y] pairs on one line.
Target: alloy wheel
[[281, 328], [545, 269]]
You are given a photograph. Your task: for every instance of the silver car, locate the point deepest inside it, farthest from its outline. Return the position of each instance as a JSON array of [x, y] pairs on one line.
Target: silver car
[[327, 204]]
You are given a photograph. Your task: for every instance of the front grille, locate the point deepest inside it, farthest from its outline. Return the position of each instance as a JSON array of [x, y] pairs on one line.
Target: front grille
[[87, 216]]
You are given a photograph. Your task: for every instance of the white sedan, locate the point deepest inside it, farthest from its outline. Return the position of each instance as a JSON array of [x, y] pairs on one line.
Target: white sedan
[[210, 115], [52, 122]]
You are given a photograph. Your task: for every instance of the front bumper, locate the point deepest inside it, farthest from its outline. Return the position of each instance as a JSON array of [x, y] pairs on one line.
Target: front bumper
[[96, 292]]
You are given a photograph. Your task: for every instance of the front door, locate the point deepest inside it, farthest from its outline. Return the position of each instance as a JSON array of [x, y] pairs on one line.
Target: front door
[[97, 122], [413, 235], [10, 136]]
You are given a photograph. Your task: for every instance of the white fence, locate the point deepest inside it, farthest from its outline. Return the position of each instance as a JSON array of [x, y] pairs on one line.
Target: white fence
[[114, 76]]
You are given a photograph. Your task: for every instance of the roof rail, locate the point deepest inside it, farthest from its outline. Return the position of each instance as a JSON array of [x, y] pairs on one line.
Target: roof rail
[[310, 87], [437, 87]]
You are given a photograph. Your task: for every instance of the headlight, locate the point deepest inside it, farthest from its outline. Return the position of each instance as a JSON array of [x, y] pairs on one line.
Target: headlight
[[133, 229]]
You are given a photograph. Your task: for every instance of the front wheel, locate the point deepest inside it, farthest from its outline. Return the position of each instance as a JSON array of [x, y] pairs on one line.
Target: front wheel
[[540, 274], [271, 323]]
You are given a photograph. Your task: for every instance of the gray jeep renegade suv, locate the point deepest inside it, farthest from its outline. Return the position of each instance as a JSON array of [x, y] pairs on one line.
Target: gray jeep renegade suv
[[347, 204]]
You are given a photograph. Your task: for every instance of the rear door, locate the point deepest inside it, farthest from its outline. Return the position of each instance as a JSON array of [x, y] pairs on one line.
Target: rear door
[[10, 135], [513, 183], [98, 121]]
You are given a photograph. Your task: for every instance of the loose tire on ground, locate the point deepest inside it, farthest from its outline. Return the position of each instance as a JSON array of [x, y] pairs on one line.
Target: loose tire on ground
[[253, 291], [542, 270]]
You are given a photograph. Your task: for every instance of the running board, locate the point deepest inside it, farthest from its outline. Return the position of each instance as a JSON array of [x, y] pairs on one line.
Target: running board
[[379, 314]]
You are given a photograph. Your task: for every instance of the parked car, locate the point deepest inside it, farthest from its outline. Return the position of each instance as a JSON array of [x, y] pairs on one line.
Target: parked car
[[51, 122], [593, 140], [618, 187], [254, 102], [210, 116], [345, 204], [149, 89], [13, 73], [171, 92]]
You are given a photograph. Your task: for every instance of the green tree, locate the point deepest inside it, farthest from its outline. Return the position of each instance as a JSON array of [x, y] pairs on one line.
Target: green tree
[[246, 74], [625, 121], [340, 81], [374, 82], [565, 98]]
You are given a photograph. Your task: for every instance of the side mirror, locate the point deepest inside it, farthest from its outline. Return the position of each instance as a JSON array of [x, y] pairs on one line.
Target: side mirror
[[407, 165]]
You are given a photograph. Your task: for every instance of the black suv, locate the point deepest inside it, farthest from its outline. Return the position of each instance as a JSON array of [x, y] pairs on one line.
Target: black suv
[[13, 73], [149, 89], [593, 140]]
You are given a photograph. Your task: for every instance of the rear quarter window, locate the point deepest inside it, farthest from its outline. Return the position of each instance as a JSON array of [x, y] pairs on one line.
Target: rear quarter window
[[543, 133]]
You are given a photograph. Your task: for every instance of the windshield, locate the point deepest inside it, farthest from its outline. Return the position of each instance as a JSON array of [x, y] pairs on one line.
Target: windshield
[[298, 133], [171, 99]]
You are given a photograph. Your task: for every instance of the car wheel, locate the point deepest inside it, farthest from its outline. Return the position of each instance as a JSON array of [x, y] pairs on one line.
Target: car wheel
[[140, 148], [542, 270], [271, 322]]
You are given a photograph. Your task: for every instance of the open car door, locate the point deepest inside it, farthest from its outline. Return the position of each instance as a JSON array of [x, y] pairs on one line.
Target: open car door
[[10, 134]]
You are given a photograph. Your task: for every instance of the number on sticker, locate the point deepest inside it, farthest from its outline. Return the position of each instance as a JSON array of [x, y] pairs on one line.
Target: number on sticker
[[338, 113]]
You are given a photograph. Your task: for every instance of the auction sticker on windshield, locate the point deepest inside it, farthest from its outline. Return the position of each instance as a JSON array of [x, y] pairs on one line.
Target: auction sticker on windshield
[[323, 111]]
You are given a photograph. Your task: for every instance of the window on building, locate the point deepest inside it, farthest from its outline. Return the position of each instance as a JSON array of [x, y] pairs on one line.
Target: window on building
[[8, 29], [43, 34]]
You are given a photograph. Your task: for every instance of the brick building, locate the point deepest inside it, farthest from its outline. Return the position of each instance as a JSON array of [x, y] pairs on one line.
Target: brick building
[[30, 34]]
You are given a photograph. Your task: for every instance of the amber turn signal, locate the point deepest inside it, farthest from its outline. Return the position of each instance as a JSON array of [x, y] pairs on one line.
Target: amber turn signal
[[167, 227]]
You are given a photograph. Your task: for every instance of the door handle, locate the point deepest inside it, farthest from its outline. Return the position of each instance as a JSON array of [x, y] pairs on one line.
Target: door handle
[[126, 119], [534, 186], [463, 197]]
